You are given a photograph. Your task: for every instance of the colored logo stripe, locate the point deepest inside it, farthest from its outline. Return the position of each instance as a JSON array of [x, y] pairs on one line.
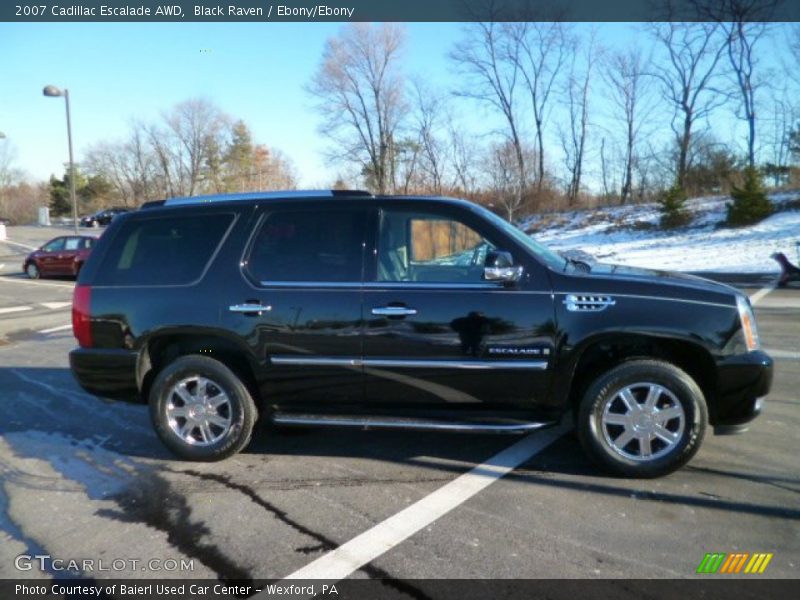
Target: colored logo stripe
[[758, 563], [720, 562], [734, 563], [711, 562]]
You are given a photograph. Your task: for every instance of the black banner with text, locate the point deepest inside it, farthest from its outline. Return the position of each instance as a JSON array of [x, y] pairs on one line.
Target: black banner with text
[[255, 11]]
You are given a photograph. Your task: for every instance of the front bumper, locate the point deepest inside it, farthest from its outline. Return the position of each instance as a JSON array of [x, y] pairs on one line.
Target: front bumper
[[107, 373], [743, 381]]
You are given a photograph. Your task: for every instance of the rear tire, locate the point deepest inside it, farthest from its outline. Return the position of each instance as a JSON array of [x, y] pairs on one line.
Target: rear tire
[[643, 418], [201, 410], [32, 271]]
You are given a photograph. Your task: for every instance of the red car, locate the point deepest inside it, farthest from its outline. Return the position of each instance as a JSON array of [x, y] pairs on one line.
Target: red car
[[60, 256]]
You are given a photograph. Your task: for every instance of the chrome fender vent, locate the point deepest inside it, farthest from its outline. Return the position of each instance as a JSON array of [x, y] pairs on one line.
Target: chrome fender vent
[[577, 303]]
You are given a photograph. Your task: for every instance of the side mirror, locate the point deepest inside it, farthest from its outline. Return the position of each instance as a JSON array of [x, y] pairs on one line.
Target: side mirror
[[499, 266]]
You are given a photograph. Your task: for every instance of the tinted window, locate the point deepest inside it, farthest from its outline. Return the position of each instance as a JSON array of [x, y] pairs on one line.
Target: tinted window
[[54, 245], [163, 251], [88, 242], [309, 245], [429, 248]]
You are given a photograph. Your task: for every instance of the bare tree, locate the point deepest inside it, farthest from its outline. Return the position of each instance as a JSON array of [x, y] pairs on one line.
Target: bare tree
[[488, 60], [8, 155], [793, 43], [188, 157], [604, 169], [744, 23], [361, 96], [742, 39], [128, 166], [465, 161], [539, 50], [187, 145], [8, 173], [500, 169], [687, 73], [624, 75], [574, 134], [783, 116], [430, 118]]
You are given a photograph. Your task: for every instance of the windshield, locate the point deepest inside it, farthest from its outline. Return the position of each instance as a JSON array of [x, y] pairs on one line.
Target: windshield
[[549, 257]]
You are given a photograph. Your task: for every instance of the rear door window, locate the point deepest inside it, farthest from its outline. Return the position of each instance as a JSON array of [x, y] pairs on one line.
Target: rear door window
[[309, 246], [171, 250]]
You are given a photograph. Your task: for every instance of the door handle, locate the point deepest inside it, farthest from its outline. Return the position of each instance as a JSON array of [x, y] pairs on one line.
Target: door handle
[[394, 311], [249, 307]]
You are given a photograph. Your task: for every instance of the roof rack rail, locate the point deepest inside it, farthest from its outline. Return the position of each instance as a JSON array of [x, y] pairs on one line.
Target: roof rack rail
[[255, 196]]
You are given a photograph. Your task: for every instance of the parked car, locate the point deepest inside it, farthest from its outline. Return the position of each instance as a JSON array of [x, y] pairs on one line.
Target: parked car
[[343, 309], [102, 218], [62, 256]]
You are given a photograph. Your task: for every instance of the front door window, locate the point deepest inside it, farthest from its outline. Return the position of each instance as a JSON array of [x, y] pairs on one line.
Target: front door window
[[418, 247]]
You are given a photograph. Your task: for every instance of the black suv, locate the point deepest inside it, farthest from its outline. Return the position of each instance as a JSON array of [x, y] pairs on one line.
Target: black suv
[[345, 309]]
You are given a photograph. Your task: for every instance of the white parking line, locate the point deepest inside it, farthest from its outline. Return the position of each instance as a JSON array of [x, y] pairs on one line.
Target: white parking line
[[55, 305], [14, 309], [366, 547], [760, 294], [54, 329], [7, 241], [784, 354], [32, 282]]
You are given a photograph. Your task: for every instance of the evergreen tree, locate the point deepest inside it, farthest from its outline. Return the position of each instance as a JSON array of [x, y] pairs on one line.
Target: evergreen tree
[[60, 204], [750, 203], [673, 211], [239, 159]]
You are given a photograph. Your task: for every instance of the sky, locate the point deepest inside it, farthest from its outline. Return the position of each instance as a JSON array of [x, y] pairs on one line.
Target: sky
[[117, 72]]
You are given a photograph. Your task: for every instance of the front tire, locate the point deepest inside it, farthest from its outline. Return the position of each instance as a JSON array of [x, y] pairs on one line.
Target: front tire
[[643, 418], [201, 410], [32, 271]]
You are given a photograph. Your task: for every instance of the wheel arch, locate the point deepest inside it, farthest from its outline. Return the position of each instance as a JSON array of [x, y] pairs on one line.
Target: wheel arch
[[599, 354], [162, 348]]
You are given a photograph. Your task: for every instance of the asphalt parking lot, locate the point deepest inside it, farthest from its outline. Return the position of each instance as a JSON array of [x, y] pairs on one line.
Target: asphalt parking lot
[[85, 478]]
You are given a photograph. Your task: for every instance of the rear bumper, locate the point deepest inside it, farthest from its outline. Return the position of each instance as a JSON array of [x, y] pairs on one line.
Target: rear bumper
[[105, 372], [743, 381]]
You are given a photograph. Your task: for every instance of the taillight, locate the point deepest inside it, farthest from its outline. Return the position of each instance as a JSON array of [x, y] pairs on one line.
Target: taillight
[[81, 324]]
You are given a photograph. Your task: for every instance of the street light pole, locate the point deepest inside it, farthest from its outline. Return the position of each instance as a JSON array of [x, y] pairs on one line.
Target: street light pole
[[53, 91]]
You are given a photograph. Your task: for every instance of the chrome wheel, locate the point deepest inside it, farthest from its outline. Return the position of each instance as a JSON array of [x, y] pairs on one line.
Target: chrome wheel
[[198, 411], [643, 421]]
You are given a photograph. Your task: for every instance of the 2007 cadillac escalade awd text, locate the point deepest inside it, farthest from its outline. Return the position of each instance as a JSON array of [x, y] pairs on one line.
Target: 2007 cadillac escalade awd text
[[346, 309]]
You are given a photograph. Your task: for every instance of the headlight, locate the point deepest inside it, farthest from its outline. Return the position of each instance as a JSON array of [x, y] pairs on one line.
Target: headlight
[[748, 320]]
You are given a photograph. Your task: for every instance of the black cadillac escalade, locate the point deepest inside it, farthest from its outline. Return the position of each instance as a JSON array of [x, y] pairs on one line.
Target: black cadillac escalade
[[346, 309]]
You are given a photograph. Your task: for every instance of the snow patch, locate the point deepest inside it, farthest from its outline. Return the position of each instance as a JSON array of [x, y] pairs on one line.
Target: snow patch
[[629, 235]]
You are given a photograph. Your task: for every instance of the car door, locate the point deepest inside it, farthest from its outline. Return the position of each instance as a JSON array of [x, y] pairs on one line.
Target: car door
[[438, 334], [48, 258], [300, 304], [65, 259]]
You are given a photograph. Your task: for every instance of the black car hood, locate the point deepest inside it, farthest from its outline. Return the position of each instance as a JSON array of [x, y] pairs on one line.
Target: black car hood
[[662, 278]]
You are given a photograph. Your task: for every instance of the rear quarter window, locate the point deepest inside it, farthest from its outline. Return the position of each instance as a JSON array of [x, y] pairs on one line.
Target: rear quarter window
[[171, 250]]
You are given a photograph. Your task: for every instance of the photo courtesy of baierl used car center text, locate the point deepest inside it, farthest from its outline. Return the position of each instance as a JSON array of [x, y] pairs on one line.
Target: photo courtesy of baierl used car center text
[[361, 299]]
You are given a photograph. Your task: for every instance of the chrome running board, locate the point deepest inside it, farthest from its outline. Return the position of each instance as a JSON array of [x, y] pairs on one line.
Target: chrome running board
[[308, 420]]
